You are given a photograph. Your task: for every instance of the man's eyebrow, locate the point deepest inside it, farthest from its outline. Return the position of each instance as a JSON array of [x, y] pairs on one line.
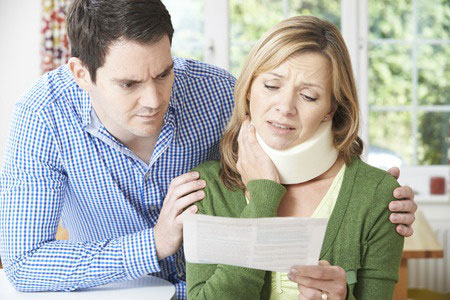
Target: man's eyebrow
[[166, 70], [134, 81], [126, 80]]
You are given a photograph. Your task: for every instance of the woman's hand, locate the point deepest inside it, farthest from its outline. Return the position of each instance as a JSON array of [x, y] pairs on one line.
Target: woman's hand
[[253, 163], [313, 281]]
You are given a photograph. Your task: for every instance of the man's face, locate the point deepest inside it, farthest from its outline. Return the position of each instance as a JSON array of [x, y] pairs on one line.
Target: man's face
[[133, 89]]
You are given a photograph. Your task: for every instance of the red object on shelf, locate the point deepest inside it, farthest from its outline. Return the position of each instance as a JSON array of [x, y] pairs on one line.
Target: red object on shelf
[[437, 185]]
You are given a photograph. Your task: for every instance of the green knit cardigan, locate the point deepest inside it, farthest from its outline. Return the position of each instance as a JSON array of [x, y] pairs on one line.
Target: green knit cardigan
[[359, 236]]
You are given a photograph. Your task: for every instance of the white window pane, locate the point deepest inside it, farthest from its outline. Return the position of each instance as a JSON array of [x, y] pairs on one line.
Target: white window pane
[[434, 19], [390, 138], [250, 19], [434, 74], [187, 19], [433, 138], [390, 19], [390, 75], [409, 72]]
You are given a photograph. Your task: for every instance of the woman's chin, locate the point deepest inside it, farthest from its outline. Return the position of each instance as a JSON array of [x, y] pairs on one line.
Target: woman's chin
[[280, 145]]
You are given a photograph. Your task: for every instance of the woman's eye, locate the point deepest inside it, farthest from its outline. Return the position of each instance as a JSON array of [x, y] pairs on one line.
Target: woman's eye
[[270, 87], [308, 98]]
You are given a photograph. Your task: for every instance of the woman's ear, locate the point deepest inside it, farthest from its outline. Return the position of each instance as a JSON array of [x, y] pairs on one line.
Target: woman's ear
[[248, 95], [80, 73], [329, 116]]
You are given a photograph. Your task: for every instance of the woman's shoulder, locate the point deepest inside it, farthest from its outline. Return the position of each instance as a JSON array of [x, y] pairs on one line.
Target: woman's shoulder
[[218, 200], [371, 180], [209, 170]]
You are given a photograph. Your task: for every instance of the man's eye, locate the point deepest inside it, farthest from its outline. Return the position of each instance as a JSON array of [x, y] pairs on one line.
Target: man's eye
[[127, 85], [308, 98], [270, 87]]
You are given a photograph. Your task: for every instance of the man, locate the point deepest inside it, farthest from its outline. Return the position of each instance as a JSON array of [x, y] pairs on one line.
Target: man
[[105, 143]]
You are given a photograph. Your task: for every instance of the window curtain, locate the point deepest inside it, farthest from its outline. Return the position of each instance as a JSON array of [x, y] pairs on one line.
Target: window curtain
[[55, 49]]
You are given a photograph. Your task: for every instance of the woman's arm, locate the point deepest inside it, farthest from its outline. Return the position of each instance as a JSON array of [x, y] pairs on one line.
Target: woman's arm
[[382, 251], [208, 281]]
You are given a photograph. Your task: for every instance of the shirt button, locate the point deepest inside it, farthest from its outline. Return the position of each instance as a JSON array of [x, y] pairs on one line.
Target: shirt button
[[146, 176]]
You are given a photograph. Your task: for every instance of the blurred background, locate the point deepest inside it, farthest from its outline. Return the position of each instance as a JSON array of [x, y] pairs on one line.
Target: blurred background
[[400, 52]]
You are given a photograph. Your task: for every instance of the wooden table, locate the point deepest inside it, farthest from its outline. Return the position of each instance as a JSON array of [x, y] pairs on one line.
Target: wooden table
[[422, 244]]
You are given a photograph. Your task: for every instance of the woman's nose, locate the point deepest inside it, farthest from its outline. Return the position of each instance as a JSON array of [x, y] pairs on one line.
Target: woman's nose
[[287, 103]]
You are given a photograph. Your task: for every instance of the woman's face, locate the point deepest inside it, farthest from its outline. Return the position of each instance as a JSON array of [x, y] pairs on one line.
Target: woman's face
[[288, 103]]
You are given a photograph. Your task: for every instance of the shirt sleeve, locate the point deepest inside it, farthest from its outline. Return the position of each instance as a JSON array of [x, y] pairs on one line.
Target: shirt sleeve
[[209, 281], [32, 187], [382, 251]]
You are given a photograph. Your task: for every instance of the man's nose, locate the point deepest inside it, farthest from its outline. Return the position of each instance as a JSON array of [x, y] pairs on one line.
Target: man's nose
[[151, 97]]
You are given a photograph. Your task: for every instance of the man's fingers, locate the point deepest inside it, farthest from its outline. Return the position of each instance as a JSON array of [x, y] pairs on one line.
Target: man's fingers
[[403, 206], [404, 192], [186, 201], [190, 210], [182, 179], [405, 231], [188, 188], [406, 219], [394, 171]]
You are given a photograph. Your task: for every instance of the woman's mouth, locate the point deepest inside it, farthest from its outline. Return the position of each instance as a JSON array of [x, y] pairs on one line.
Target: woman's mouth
[[280, 128]]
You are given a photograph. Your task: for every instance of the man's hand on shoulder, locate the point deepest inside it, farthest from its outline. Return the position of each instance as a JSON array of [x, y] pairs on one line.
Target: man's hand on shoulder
[[183, 192], [404, 208]]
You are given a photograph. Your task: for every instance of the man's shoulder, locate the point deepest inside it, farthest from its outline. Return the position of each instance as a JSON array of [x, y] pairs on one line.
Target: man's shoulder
[[49, 88], [194, 69]]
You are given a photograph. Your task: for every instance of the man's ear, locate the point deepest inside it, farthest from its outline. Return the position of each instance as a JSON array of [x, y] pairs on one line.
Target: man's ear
[[80, 73]]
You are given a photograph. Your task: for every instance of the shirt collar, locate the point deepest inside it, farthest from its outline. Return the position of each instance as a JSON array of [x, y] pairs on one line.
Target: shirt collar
[[86, 108]]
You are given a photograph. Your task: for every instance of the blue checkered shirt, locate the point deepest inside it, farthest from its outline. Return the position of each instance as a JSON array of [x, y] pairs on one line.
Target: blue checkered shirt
[[61, 163]]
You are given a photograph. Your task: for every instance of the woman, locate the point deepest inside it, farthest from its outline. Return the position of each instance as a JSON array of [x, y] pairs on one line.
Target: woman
[[297, 89]]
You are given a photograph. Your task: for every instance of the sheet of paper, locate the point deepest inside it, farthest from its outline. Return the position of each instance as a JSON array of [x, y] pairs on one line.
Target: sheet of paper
[[271, 244]]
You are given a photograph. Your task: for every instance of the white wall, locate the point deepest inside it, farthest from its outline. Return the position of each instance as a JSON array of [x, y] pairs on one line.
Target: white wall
[[19, 56]]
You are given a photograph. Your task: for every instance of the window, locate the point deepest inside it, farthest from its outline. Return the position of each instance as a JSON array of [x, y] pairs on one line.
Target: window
[[409, 91], [247, 28], [189, 39], [399, 51]]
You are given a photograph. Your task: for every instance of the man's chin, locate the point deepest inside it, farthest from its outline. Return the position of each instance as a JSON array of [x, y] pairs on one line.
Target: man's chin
[[146, 132]]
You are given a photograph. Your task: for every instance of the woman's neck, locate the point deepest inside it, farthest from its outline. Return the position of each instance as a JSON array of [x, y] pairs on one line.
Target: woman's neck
[[329, 174]]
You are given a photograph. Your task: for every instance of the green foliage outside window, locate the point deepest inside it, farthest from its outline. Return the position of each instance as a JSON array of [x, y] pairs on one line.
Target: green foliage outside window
[[391, 77], [250, 19], [391, 63]]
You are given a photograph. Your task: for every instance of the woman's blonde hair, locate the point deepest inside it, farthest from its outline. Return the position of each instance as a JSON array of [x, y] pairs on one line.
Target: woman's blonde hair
[[293, 36]]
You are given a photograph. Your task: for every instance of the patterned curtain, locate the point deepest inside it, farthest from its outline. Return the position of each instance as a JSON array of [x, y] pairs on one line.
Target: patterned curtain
[[55, 49]]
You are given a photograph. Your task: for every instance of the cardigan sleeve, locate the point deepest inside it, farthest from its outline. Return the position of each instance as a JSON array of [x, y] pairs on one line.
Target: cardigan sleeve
[[218, 281], [382, 250]]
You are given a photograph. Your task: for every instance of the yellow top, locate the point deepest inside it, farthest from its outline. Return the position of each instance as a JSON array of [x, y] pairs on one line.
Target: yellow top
[[282, 287]]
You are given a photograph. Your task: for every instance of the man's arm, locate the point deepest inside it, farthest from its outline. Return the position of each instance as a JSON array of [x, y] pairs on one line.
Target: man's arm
[[32, 186], [403, 209]]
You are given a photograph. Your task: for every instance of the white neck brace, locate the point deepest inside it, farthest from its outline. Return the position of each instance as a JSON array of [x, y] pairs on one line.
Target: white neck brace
[[307, 160]]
